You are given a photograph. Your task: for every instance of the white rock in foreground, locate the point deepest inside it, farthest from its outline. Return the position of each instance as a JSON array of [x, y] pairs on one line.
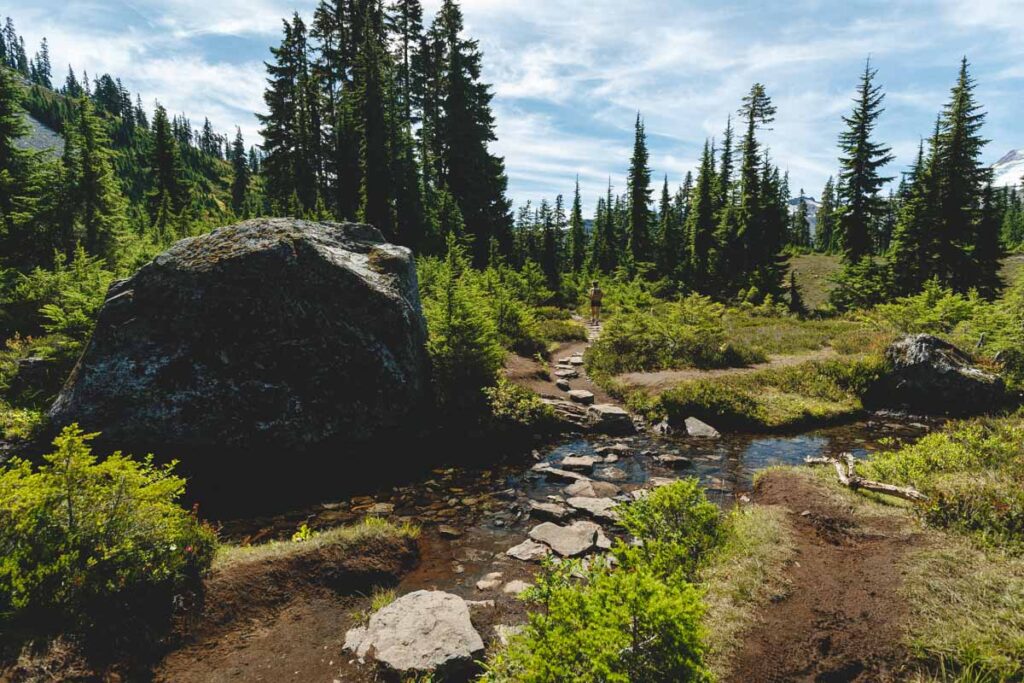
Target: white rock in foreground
[[421, 632], [569, 541], [702, 430]]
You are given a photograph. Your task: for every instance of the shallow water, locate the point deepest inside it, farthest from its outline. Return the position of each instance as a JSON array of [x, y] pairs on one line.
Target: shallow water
[[484, 511]]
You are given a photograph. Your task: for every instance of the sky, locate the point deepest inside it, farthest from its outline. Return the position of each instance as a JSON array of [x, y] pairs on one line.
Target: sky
[[570, 76]]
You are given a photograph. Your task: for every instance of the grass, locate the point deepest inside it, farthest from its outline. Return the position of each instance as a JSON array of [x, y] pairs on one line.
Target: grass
[[789, 335], [967, 611], [813, 392], [745, 574], [367, 529], [812, 277]]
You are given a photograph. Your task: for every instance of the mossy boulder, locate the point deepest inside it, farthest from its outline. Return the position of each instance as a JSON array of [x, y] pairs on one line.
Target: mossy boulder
[[268, 334]]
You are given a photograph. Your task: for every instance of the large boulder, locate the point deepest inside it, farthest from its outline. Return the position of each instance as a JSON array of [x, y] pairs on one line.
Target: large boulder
[[423, 632], [930, 375], [268, 335]]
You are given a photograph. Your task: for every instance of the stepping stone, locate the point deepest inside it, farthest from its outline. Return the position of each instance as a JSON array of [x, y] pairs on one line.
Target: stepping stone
[[566, 374], [515, 587], [563, 384], [576, 360], [492, 580], [548, 510], [581, 396], [614, 449], [701, 430], [592, 489], [421, 632], [611, 474], [658, 482], [449, 531], [672, 460], [556, 473], [380, 509], [529, 551], [582, 463], [600, 508], [568, 541], [609, 419]]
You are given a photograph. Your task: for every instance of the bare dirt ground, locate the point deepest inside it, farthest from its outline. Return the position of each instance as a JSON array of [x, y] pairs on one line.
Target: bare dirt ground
[[529, 373], [654, 382], [843, 618]]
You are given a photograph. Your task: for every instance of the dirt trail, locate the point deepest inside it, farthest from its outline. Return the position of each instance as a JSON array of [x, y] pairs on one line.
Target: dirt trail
[[666, 379], [843, 617], [528, 373]]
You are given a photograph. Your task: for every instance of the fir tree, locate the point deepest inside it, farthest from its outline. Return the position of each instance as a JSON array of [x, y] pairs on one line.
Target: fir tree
[[638, 186], [859, 163], [373, 89], [405, 23], [725, 168], [700, 224], [825, 223], [801, 235], [577, 239], [242, 173], [167, 194]]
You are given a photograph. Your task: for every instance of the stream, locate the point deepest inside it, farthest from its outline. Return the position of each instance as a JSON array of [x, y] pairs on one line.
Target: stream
[[470, 516]]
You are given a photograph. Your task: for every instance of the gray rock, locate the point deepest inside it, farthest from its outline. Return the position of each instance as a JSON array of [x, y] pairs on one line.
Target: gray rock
[[670, 460], [563, 384], [581, 396], [930, 375], [270, 335], [505, 632], [422, 632], [701, 430], [592, 489], [515, 587], [609, 419], [489, 581], [611, 474], [449, 531], [614, 449], [548, 510], [582, 463], [599, 508], [576, 360], [566, 374], [568, 541], [557, 473], [529, 551]]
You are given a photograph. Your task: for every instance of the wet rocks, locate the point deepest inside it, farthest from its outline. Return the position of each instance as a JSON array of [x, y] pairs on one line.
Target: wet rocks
[[557, 473], [568, 541], [670, 460], [700, 430], [529, 551], [580, 463], [552, 511], [611, 474], [592, 489], [599, 508], [609, 419], [489, 581], [422, 632]]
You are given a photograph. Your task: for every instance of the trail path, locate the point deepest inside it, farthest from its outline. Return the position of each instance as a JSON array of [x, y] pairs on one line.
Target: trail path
[[528, 372], [842, 619]]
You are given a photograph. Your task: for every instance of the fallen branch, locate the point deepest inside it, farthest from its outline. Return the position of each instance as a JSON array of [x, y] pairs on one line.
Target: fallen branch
[[847, 477]]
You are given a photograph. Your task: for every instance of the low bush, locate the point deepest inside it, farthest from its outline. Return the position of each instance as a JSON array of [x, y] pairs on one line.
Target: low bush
[[640, 621], [513, 405], [562, 330], [687, 333], [85, 541]]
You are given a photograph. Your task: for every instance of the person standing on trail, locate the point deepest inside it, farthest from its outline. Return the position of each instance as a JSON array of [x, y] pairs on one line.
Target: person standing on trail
[[595, 303]]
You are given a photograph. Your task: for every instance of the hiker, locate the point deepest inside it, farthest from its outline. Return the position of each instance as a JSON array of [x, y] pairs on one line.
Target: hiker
[[595, 303]]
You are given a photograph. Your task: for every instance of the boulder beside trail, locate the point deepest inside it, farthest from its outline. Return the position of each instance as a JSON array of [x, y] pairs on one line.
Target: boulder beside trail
[[608, 418], [419, 633], [930, 375], [266, 335]]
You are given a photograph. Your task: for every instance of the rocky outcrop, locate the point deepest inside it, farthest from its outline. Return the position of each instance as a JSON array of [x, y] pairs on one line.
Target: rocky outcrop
[[930, 375], [423, 632], [271, 334]]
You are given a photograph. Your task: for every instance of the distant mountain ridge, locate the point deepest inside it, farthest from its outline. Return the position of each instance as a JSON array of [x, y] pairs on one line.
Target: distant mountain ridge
[[1009, 170], [812, 210]]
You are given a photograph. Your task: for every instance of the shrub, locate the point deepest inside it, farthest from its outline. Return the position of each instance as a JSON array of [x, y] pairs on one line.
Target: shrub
[[859, 285], [512, 404], [714, 401], [82, 540], [936, 310], [686, 333], [562, 330], [677, 527]]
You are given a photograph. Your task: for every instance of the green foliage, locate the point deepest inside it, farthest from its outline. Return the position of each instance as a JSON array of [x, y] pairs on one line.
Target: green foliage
[[936, 310], [80, 537], [860, 284], [514, 405], [687, 333], [562, 330], [973, 473], [677, 527], [638, 622]]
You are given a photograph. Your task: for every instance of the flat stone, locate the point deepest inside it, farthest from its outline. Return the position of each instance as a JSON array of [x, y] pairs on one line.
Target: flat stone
[[701, 430], [611, 474], [548, 510], [449, 531], [609, 419], [568, 541], [421, 632], [615, 448], [658, 482], [581, 396], [672, 460], [380, 509], [563, 384], [582, 463], [592, 489], [576, 360], [566, 374], [556, 473], [599, 508], [489, 581], [516, 587], [529, 551]]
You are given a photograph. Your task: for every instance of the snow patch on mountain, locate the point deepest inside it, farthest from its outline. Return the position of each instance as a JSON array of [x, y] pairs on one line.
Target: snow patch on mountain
[[1009, 170], [812, 210]]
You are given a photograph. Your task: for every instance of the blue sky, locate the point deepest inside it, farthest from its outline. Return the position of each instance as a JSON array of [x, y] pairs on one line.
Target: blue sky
[[569, 76]]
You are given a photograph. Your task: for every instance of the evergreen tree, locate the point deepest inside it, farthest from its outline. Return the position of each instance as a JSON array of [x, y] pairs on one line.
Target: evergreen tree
[[725, 168], [825, 224], [671, 248], [859, 163], [373, 89], [987, 249], [167, 192], [913, 250], [42, 72], [638, 187], [801, 234], [242, 173], [700, 224], [577, 239], [405, 22], [14, 162]]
